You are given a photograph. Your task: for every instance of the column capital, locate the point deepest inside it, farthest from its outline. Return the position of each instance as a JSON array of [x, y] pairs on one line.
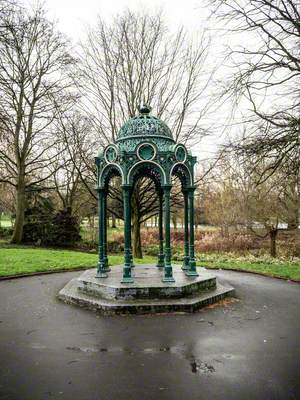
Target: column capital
[[191, 189], [166, 188], [126, 186]]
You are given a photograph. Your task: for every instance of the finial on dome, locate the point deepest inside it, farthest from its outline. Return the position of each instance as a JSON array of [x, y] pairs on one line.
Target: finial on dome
[[145, 109]]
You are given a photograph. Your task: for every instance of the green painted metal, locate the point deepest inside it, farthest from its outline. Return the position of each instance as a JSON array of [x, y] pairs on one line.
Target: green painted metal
[[161, 256], [130, 246], [168, 272], [144, 125], [145, 147], [146, 152], [186, 258], [127, 278], [101, 273], [192, 271], [104, 227]]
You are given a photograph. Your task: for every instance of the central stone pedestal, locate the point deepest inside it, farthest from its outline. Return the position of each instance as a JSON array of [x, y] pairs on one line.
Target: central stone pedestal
[[148, 294]]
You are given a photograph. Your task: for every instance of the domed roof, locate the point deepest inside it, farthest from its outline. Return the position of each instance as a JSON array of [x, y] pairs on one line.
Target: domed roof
[[144, 126]]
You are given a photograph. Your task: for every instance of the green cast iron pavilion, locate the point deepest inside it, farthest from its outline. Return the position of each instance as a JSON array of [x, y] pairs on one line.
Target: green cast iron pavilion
[[145, 148]]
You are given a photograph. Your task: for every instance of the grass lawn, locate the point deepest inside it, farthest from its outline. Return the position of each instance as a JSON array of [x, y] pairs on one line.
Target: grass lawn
[[271, 267], [15, 260], [5, 221], [22, 260]]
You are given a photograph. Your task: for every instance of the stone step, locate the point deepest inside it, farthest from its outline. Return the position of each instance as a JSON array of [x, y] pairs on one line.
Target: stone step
[[70, 294], [147, 284]]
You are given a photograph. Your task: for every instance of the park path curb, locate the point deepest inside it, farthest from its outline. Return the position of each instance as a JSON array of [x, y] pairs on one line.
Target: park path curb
[[29, 274], [254, 273]]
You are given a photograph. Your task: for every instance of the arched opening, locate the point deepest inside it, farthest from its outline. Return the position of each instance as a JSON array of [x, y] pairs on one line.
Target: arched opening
[[184, 180], [145, 179], [110, 173]]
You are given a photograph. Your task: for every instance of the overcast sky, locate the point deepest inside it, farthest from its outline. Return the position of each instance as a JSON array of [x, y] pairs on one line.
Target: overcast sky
[[74, 15]]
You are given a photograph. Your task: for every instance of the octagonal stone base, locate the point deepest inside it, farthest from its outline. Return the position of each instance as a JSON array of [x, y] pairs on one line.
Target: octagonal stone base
[[148, 294]]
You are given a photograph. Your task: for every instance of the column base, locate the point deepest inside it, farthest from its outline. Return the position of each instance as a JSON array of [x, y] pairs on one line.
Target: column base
[[127, 280], [101, 270], [106, 267], [168, 274], [185, 264], [168, 279], [191, 273], [101, 274]]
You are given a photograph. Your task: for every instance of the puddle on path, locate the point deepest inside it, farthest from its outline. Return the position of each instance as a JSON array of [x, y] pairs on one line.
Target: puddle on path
[[201, 367], [83, 349], [194, 364]]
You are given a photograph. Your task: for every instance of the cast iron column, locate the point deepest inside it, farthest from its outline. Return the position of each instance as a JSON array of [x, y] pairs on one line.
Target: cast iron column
[[192, 271], [104, 225], [101, 264], [131, 257], [168, 272], [186, 258], [161, 257], [127, 278]]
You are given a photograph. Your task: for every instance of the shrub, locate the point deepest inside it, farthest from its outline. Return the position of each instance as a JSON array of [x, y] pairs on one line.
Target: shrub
[[38, 222], [65, 229], [151, 250], [177, 256], [44, 226], [115, 246], [5, 233]]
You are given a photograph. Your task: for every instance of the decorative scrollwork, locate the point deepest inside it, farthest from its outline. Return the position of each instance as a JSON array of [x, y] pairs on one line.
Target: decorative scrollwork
[[148, 170], [109, 172], [130, 144], [182, 172], [144, 125]]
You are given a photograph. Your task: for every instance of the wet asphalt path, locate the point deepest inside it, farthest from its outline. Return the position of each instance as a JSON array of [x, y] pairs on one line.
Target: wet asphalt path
[[249, 349]]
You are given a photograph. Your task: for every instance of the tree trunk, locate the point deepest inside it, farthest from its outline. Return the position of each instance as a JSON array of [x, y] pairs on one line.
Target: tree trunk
[[293, 219], [226, 231], [20, 212], [136, 236], [174, 220], [113, 221], [273, 236]]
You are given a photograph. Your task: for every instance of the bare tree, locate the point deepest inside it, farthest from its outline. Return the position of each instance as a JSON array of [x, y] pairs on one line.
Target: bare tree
[[266, 75], [238, 199], [33, 64], [135, 60], [74, 164]]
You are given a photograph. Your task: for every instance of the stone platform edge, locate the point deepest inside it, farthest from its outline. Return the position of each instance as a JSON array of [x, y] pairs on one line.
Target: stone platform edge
[[69, 294]]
